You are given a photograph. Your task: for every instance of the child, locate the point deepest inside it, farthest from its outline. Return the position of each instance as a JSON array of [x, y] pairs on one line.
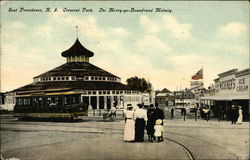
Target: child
[[158, 129]]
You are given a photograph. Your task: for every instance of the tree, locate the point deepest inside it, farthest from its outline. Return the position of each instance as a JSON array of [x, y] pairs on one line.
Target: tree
[[140, 84]]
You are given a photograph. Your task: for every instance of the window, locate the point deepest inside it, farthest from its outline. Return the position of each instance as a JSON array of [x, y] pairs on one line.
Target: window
[[86, 78], [54, 78], [63, 78], [96, 78], [67, 78], [103, 78], [100, 78], [92, 78], [104, 92], [94, 92], [73, 78], [89, 92], [100, 92]]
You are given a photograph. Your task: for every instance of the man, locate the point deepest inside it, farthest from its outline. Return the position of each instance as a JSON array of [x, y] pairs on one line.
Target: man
[[113, 111], [206, 112], [234, 114], [172, 113], [183, 113], [219, 113], [159, 114]]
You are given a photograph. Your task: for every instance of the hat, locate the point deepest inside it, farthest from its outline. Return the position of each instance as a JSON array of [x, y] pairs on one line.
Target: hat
[[130, 106], [158, 121], [140, 105]]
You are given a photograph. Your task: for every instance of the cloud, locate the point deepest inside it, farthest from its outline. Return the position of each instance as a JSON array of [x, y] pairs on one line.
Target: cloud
[[119, 31], [13, 30], [167, 24], [151, 44], [44, 30], [232, 29], [176, 29], [149, 25]]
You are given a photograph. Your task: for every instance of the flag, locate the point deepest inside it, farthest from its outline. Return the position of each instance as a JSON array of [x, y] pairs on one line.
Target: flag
[[198, 75]]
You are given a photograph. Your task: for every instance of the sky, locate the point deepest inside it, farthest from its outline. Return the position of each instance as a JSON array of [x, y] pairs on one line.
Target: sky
[[166, 48]]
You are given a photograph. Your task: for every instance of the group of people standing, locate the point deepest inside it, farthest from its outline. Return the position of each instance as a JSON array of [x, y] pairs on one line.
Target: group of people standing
[[236, 115], [141, 118]]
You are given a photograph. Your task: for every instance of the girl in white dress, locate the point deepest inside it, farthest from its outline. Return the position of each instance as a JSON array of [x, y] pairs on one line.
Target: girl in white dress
[[129, 129], [158, 129]]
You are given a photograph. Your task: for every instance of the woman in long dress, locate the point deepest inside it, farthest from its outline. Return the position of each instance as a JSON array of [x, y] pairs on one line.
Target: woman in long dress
[[141, 119], [151, 122], [129, 129], [239, 121]]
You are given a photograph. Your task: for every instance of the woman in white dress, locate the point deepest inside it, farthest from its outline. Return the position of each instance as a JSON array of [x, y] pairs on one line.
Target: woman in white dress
[[129, 129], [239, 121]]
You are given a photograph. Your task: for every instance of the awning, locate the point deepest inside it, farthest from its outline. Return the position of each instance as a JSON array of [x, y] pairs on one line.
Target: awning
[[47, 94], [226, 97], [24, 95], [61, 93]]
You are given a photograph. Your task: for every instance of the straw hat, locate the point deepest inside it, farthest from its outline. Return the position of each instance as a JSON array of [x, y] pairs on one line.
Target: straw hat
[[158, 121], [129, 106]]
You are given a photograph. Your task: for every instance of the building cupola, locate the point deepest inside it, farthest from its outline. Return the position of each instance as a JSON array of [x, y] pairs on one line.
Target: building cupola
[[77, 53]]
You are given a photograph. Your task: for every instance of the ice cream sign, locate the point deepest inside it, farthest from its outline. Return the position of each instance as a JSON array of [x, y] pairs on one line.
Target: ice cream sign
[[243, 83]]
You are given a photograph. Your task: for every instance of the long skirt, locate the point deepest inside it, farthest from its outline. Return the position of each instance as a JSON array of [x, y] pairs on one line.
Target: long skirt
[[150, 127], [129, 130], [239, 121], [139, 129]]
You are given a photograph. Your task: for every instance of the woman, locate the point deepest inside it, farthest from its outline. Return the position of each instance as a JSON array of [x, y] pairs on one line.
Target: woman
[[140, 122], [129, 130], [151, 122], [239, 121]]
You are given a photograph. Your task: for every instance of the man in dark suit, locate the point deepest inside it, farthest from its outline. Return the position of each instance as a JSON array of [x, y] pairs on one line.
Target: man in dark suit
[[234, 114], [159, 114], [172, 113]]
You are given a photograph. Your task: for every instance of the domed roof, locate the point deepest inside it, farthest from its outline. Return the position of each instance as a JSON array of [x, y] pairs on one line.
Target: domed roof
[[77, 49]]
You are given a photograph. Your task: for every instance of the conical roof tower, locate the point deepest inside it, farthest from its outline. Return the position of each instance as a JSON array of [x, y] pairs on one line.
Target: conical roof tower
[[77, 53]]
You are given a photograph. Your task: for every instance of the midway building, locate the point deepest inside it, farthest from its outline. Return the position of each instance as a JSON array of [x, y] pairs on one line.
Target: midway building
[[231, 88]]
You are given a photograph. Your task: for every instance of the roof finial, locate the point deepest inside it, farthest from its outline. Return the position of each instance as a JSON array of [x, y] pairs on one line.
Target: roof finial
[[76, 32]]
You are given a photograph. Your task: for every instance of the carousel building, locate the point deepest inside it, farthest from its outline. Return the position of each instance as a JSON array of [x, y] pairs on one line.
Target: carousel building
[[78, 81]]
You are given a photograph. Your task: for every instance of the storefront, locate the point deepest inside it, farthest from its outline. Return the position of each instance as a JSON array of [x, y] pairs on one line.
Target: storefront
[[231, 88]]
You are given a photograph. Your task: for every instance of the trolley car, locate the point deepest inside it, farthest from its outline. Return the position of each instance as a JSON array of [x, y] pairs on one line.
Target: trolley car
[[65, 105]]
